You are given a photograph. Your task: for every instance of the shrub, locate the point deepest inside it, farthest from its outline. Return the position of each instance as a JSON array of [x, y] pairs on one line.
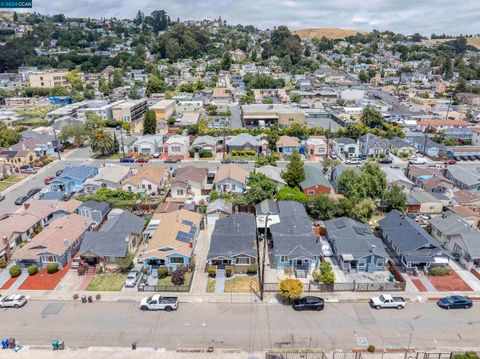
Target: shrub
[[228, 271], [52, 268], [3, 263], [32, 270], [371, 348], [290, 288], [439, 271], [162, 272], [252, 269], [212, 271], [327, 276], [15, 271], [126, 263], [81, 270], [206, 154], [316, 275], [178, 277]]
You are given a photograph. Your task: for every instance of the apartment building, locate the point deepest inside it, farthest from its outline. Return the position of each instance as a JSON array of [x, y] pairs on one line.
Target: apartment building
[[163, 109], [101, 108], [129, 111], [49, 79]]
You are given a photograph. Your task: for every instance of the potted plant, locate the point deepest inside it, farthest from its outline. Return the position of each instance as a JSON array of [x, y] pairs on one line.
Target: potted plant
[[212, 271]]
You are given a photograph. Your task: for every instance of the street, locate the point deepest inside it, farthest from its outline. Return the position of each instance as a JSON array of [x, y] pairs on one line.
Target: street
[[248, 327]]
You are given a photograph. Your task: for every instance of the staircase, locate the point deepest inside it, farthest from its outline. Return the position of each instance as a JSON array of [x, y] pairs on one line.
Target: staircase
[[91, 270]]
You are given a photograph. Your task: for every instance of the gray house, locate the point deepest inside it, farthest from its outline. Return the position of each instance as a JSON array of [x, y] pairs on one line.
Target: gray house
[[464, 177], [96, 211], [244, 141], [234, 242], [410, 242], [216, 210], [205, 144], [373, 145], [355, 246]]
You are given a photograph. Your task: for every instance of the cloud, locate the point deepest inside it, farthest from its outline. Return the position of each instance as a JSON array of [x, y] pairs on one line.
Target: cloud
[[406, 16]]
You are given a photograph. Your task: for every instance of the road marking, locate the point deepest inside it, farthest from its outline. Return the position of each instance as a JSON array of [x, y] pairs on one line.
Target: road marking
[[187, 324], [362, 341]]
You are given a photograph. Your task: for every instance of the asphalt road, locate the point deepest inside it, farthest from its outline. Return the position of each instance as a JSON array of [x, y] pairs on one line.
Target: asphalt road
[[247, 326]]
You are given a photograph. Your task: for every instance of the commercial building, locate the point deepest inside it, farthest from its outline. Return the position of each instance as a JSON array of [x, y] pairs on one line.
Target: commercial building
[[49, 79], [259, 115]]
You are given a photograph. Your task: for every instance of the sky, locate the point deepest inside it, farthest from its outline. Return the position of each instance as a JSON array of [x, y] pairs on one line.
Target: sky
[[404, 16]]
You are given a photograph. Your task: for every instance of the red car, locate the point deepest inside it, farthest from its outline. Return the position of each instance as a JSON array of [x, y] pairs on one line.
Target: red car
[[141, 160], [48, 180], [450, 162]]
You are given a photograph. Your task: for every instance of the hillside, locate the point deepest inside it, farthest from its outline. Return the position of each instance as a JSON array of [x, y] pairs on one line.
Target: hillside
[[473, 41], [329, 33]]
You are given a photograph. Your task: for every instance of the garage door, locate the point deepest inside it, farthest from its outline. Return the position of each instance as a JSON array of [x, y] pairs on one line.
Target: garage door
[[211, 219]]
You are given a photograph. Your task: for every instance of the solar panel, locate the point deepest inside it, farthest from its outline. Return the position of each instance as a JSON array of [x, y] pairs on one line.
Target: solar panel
[[184, 237], [187, 222], [193, 229]]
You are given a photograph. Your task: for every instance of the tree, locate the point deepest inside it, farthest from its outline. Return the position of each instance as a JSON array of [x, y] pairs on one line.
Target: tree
[[266, 160], [292, 194], [327, 275], [125, 263], [211, 110], [373, 179], [73, 77], [363, 76], [103, 87], [101, 142], [295, 172], [295, 98], [226, 61], [160, 20], [8, 136], [371, 117], [344, 207], [396, 198], [139, 18], [321, 207], [155, 85], [149, 123], [116, 145], [261, 188], [290, 288], [364, 210], [75, 131], [117, 79], [272, 138]]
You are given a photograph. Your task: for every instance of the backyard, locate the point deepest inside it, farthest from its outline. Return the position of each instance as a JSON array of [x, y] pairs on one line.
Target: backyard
[[241, 284], [107, 282], [9, 181]]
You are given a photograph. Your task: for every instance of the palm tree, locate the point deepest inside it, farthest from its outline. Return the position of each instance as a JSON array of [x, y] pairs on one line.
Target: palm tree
[[101, 142]]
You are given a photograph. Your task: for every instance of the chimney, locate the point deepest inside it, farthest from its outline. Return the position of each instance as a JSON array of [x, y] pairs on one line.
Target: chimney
[[373, 248]]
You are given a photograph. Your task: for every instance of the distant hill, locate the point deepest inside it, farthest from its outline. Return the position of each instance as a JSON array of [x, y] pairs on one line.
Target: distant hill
[[473, 41], [329, 33]]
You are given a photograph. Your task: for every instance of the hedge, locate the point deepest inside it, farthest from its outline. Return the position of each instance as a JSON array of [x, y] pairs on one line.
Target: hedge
[[15, 271], [32, 270], [52, 268], [162, 272]]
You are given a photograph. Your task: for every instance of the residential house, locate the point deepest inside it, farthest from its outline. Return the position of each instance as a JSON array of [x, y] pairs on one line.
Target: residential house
[[230, 178], [205, 144], [355, 246], [177, 146], [372, 145], [468, 214], [464, 176], [396, 177], [424, 202], [440, 125], [16, 159], [73, 178], [173, 241], [233, 242], [316, 147], [189, 181], [147, 179], [295, 246], [410, 242], [467, 198], [243, 142], [147, 145], [400, 147], [458, 237], [56, 243], [109, 176], [430, 180], [315, 182], [119, 235], [286, 145], [94, 211], [345, 147], [273, 173], [428, 147], [42, 146], [218, 209]]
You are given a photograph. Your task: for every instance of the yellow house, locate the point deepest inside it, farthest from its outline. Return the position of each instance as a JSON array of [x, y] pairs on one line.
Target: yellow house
[[163, 109], [17, 158]]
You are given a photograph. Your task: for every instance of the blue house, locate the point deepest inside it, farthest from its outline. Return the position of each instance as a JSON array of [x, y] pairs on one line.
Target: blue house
[[73, 178], [60, 100]]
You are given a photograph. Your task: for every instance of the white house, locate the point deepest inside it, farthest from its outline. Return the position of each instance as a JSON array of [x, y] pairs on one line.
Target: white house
[[147, 145], [177, 146]]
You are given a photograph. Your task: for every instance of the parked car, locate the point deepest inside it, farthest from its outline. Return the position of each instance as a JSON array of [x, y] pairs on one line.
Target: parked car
[[75, 263], [450, 162], [58, 173], [241, 162], [132, 278], [417, 160], [455, 302], [33, 192], [385, 160], [141, 160], [13, 301], [156, 155], [171, 160], [224, 162], [127, 160], [48, 179], [2, 197], [353, 161], [387, 301], [20, 200], [28, 170], [157, 302], [308, 303]]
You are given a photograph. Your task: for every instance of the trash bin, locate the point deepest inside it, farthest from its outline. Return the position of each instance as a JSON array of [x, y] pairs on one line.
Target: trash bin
[[391, 278], [84, 298], [61, 345], [11, 343], [55, 344], [90, 299], [5, 344]]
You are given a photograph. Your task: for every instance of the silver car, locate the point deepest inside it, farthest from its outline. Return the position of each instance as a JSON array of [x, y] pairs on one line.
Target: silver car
[[132, 278], [13, 301]]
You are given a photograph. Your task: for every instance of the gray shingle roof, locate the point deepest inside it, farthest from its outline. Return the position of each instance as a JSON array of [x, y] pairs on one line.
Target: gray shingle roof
[[313, 177], [104, 244], [243, 139], [126, 222], [219, 205], [102, 207], [267, 206]]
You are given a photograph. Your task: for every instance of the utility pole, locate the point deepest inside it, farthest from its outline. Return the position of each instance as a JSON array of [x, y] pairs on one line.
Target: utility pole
[[56, 141], [426, 139], [262, 281], [121, 140]]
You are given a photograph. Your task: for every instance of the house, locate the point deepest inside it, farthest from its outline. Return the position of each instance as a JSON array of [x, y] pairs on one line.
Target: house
[[119, 235], [286, 145], [316, 147], [16, 159], [273, 173], [345, 147], [233, 242], [111, 176], [243, 142], [464, 176], [467, 198], [149, 180], [73, 178], [205, 144], [400, 147], [295, 246], [469, 215], [42, 146], [173, 241], [177, 146], [355, 246], [440, 125], [147, 145], [188, 181], [430, 180], [230, 178], [458, 237], [428, 147], [373, 145], [217, 209], [410, 242], [56, 243], [396, 177], [95, 211], [423, 202], [339, 169], [315, 182]]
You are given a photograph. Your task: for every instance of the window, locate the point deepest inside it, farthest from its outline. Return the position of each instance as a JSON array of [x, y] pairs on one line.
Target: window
[[179, 192], [284, 259], [310, 192], [362, 263], [380, 262], [149, 186], [175, 149], [242, 260], [176, 260]]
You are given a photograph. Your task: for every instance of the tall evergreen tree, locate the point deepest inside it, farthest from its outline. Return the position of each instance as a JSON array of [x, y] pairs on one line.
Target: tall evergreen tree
[[295, 173], [116, 145], [149, 123]]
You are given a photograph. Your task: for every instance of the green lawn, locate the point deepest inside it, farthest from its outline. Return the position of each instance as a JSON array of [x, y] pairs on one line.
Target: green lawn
[[9, 181], [241, 284], [107, 282], [248, 158], [168, 280]]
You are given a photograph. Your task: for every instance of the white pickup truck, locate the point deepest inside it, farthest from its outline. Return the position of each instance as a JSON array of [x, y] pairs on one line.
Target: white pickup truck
[[157, 302], [387, 301]]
